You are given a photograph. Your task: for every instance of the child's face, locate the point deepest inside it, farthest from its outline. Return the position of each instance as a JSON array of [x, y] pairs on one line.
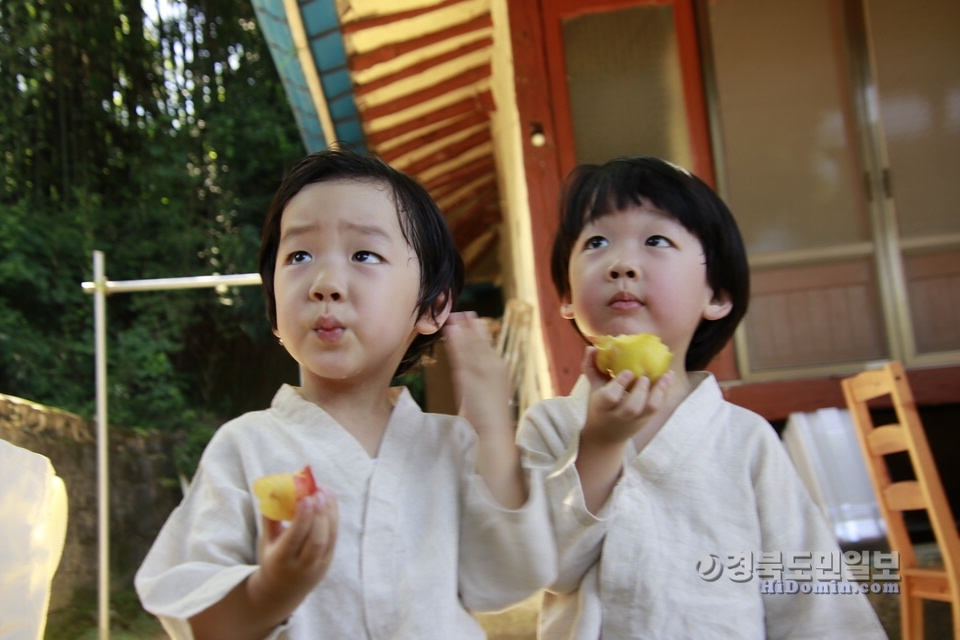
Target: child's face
[[346, 283], [639, 270]]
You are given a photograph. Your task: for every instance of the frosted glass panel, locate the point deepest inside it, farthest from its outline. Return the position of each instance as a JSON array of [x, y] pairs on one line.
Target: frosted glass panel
[[794, 183], [917, 55], [789, 136], [916, 47], [624, 83]]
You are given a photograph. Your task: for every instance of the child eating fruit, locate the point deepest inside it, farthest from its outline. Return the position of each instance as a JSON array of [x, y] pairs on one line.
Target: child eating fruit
[[414, 519], [654, 487]]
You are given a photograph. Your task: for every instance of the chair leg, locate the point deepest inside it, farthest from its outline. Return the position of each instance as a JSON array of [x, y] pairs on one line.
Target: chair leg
[[955, 617], [911, 616]]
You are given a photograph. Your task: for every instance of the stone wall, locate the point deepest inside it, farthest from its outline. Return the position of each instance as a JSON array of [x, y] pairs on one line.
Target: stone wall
[[143, 491]]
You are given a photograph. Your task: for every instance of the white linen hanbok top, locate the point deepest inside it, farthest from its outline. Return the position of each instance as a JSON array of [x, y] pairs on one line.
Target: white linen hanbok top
[[420, 543], [666, 555]]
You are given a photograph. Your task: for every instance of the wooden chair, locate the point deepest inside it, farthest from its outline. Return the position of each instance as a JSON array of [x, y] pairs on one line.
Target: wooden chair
[[925, 492]]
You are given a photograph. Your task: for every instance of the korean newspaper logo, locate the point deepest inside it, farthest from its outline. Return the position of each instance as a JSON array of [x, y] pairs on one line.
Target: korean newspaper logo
[[807, 572]]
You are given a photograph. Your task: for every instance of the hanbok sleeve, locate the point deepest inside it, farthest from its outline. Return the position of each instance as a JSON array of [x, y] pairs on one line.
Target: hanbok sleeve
[[506, 555], [549, 438], [207, 546], [33, 519]]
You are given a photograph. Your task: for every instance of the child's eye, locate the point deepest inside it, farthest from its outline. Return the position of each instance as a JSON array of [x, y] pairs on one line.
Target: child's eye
[[299, 257], [595, 242], [658, 241], [367, 257]]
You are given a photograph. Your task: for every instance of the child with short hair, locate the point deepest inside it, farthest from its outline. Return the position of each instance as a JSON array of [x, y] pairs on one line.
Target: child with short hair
[[420, 518], [653, 486]]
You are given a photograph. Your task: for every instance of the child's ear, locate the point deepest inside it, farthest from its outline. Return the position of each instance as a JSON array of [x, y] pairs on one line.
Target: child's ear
[[566, 307], [430, 323], [718, 307]]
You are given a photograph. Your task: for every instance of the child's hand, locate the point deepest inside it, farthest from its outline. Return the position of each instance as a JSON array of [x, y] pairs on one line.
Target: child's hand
[[617, 410], [292, 561], [482, 383], [294, 558], [480, 376], [619, 407]]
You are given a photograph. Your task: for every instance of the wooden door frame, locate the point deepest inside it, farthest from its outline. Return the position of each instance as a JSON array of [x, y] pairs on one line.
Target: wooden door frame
[[556, 11], [544, 178], [546, 165]]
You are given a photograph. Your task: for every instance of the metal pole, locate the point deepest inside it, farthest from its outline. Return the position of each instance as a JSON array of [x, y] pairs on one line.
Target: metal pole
[[100, 287], [103, 478], [165, 284]]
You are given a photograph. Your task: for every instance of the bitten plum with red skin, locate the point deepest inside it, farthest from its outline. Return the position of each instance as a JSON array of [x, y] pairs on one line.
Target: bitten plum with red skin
[[279, 493]]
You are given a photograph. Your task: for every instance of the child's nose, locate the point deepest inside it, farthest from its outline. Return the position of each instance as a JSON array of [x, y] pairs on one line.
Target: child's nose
[[330, 295], [623, 269], [327, 287]]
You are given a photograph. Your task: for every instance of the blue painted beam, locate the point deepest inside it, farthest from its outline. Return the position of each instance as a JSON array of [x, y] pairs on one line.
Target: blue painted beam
[[322, 27]]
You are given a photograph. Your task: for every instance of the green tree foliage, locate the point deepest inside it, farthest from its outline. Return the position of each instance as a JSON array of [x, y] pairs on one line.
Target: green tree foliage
[[157, 137]]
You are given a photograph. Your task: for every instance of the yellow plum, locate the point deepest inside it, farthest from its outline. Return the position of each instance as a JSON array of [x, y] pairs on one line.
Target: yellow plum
[[643, 354]]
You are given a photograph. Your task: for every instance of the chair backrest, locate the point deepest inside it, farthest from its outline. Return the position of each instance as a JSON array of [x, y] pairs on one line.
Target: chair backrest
[[926, 491]]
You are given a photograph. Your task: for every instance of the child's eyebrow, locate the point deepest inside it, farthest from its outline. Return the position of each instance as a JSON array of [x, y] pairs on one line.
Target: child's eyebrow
[[295, 231], [369, 230], [366, 230]]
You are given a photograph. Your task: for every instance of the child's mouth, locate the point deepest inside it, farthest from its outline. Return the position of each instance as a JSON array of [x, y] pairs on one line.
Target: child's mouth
[[330, 335], [329, 330], [625, 302]]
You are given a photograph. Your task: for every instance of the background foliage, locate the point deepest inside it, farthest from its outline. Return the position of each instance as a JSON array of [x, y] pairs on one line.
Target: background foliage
[[157, 137]]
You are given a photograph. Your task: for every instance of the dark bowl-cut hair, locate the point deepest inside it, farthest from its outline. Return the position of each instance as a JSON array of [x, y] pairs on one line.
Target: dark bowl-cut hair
[[592, 191], [421, 221]]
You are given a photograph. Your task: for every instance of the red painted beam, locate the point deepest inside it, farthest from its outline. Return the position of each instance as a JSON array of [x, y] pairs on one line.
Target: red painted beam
[[777, 400]]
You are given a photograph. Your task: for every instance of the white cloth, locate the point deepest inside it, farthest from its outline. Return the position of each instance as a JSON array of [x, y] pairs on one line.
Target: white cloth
[[420, 542], [33, 527], [714, 480]]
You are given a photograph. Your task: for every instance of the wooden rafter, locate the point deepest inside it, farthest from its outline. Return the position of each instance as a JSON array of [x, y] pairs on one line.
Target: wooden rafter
[[480, 102], [468, 193], [461, 174], [361, 24], [450, 151], [422, 66], [436, 135], [479, 219], [463, 80], [471, 204], [369, 59]]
